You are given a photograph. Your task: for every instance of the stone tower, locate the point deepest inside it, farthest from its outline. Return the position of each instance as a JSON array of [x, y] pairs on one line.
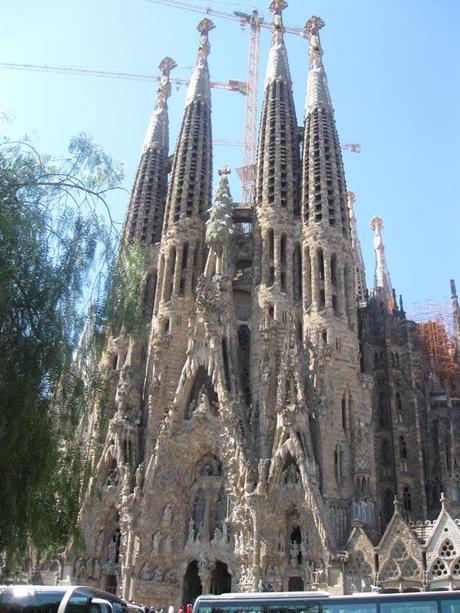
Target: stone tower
[[279, 428]]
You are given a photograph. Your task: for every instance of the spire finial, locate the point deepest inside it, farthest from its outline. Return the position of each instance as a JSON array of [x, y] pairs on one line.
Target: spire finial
[[157, 133], [225, 170], [277, 7], [166, 65], [317, 90], [401, 304], [164, 91], [442, 500], [313, 26], [396, 504], [278, 65], [204, 27], [351, 198], [199, 87], [382, 276]]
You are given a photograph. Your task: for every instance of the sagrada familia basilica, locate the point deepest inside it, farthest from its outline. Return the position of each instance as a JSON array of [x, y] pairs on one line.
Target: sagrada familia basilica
[[278, 427]]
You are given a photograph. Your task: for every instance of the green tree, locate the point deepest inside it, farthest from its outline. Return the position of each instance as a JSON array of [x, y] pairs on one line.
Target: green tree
[[55, 234]]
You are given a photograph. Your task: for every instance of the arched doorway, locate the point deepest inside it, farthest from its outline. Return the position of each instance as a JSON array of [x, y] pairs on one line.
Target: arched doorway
[[221, 579], [295, 584], [192, 584]]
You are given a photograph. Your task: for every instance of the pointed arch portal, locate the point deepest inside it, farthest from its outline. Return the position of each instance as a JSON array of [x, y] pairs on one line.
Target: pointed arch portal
[[192, 583], [221, 579]]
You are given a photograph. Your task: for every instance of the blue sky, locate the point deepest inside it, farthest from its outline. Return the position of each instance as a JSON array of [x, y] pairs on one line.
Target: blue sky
[[393, 70]]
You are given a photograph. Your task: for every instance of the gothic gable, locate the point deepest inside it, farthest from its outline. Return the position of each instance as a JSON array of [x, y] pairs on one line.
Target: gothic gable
[[443, 551], [360, 569], [400, 556]]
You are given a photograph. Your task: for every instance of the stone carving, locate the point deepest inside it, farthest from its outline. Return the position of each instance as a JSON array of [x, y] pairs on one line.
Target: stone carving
[[294, 551], [291, 474], [170, 577], [191, 530], [156, 543], [281, 543], [88, 568], [168, 545], [167, 515], [124, 387], [113, 478]]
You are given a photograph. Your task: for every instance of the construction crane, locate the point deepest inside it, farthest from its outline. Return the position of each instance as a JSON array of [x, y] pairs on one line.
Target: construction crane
[[232, 85], [255, 21]]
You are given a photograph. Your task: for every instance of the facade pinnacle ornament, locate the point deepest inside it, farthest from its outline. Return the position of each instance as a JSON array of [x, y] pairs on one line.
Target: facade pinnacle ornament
[[442, 500], [278, 66], [382, 283], [317, 89], [219, 227], [456, 318], [157, 133], [360, 272], [199, 87]]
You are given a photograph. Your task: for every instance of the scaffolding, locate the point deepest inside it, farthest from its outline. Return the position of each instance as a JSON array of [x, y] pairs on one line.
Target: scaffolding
[[437, 340]]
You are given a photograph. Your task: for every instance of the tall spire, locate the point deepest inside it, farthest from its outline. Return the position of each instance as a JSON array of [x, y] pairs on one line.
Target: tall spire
[[189, 193], [317, 89], [382, 284], [456, 318], [360, 272], [157, 133], [199, 88], [278, 158], [278, 66], [324, 190], [144, 219]]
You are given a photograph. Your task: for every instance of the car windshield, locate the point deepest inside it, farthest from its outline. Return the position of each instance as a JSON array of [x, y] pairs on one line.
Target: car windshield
[[25, 600]]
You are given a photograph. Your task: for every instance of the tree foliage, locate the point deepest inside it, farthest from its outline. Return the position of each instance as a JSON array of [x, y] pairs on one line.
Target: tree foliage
[[55, 228], [122, 306]]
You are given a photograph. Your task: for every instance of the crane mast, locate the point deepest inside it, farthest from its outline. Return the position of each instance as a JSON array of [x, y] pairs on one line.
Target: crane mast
[[247, 173]]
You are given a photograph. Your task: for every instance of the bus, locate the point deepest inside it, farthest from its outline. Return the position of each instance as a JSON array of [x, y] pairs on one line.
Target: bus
[[323, 602]]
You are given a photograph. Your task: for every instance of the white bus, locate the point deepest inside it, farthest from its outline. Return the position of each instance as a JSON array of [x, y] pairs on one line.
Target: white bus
[[323, 602]]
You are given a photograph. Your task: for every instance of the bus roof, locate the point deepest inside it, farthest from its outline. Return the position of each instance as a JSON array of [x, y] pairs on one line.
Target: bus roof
[[270, 596], [265, 595]]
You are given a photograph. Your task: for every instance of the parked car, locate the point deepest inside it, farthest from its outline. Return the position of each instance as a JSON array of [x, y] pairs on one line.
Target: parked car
[[60, 599]]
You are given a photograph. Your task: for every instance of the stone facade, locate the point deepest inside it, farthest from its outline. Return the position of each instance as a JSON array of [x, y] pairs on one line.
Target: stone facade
[[279, 429]]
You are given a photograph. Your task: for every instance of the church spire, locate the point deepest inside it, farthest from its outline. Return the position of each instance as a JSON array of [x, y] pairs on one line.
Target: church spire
[[199, 87], [324, 199], [278, 157], [157, 133], [146, 208], [456, 318], [382, 284], [317, 89], [182, 240], [189, 194], [360, 272], [278, 66]]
